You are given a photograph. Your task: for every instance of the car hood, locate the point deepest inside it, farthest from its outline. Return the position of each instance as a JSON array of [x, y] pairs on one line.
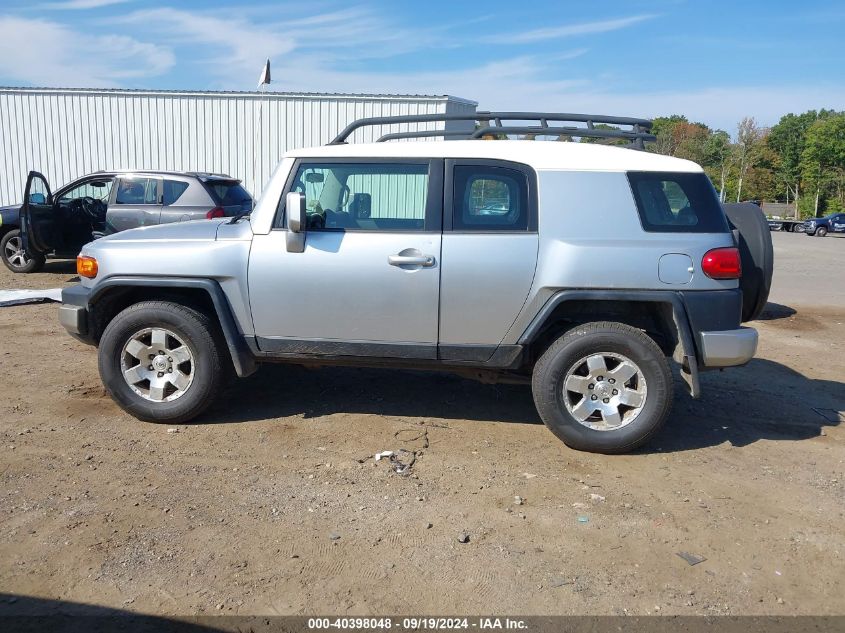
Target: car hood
[[196, 230]]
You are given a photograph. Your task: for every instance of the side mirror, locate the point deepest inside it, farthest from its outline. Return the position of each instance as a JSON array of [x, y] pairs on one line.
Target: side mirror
[[295, 209]]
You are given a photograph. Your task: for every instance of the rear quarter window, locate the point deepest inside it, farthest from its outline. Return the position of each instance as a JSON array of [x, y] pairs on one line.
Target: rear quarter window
[[173, 190], [670, 202]]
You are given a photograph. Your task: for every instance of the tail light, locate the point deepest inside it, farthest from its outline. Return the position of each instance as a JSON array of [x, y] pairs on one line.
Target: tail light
[[216, 212], [86, 266], [722, 263]]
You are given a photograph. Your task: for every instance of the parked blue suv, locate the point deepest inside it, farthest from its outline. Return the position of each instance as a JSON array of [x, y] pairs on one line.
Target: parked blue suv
[[822, 226]]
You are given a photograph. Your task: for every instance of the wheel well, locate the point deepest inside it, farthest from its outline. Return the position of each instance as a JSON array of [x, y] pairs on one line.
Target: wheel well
[[7, 228], [652, 317], [115, 300]]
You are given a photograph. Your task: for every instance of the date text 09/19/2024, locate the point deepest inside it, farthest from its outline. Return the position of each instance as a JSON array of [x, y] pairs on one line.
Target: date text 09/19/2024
[[417, 624]]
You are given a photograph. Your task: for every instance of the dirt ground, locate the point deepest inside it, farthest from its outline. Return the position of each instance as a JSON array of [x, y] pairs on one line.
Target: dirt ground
[[273, 503]]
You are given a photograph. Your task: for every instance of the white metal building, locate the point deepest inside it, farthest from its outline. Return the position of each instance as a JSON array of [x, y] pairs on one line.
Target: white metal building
[[66, 133]]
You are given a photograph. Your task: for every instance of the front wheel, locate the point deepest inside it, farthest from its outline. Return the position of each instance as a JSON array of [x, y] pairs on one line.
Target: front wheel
[[15, 256], [603, 387], [162, 362], [821, 231]]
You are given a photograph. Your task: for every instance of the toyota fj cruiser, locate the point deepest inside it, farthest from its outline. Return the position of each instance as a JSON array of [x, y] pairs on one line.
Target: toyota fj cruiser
[[576, 267]]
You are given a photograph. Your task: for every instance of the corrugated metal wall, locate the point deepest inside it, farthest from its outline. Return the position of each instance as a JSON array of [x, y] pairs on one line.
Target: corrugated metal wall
[[69, 133]]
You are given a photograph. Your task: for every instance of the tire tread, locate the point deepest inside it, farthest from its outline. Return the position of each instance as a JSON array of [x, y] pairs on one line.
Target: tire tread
[[545, 396]]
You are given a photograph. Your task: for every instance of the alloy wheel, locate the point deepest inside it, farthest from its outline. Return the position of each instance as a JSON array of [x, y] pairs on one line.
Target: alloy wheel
[[157, 364], [15, 253], [604, 391]]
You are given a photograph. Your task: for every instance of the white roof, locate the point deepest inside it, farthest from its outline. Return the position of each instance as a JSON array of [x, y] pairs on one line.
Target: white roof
[[541, 155]]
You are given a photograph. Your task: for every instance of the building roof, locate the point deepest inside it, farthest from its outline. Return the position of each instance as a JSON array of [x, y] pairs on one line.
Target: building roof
[[543, 155], [238, 93]]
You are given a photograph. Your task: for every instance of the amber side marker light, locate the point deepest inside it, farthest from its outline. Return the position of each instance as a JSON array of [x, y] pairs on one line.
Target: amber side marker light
[[86, 266]]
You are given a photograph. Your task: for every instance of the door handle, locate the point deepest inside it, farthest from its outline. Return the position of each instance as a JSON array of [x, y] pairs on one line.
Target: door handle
[[425, 261]]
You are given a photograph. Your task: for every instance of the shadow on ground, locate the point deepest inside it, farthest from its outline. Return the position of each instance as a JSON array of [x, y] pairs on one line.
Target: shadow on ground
[[25, 613], [762, 401], [774, 311], [60, 266]]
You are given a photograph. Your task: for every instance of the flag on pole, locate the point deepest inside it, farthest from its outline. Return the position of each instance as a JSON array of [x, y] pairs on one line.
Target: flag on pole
[[265, 75]]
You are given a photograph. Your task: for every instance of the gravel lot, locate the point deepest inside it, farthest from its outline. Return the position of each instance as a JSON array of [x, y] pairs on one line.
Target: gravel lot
[[273, 504]]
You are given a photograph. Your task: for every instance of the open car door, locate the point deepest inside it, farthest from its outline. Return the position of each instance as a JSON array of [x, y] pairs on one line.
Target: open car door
[[38, 220]]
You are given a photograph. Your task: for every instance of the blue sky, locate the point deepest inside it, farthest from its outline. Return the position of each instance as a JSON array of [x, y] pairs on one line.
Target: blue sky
[[715, 61]]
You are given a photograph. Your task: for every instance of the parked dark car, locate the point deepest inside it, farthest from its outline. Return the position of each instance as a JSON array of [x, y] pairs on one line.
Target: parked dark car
[[107, 202], [820, 227]]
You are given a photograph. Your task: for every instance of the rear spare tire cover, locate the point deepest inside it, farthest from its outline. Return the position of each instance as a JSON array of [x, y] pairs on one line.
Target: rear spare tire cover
[[756, 255]]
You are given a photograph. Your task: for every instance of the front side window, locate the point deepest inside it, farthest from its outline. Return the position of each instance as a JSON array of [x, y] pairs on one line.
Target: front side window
[[364, 196], [677, 203], [97, 189], [137, 191], [489, 199]]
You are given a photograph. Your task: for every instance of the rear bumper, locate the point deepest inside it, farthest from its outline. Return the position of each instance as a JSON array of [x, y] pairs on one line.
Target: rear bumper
[[728, 348], [73, 313]]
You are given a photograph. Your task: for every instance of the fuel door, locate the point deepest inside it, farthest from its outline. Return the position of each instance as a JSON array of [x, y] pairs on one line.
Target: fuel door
[[675, 269]]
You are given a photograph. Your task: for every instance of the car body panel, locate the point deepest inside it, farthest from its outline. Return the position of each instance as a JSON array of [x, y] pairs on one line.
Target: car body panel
[[10, 217], [152, 251], [485, 281], [343, 288]]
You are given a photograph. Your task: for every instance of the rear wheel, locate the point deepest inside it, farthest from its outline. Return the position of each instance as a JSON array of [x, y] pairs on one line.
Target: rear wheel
[[162, 362], [821, 231], [603, 387], [797, 228], [15, 256]]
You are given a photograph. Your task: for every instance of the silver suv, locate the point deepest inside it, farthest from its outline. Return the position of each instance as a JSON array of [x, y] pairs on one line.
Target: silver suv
[[107, 202], [575, 267]]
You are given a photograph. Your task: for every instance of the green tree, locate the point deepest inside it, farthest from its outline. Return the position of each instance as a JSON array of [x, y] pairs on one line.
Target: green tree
[[787, 139], [823, 158], [717, 155], [747, 151]]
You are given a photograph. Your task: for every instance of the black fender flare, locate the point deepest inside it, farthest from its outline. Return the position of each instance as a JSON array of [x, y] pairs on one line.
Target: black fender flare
[[689, 363], [242, 358]]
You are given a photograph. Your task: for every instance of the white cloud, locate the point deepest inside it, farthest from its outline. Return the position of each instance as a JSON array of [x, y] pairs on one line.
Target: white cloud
[[569, 30], [40, 52], [329, 51], [229, 47], [232, 48], [81, 4]]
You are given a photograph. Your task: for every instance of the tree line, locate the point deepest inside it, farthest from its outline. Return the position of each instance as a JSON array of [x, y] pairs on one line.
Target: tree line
[[799, 160]]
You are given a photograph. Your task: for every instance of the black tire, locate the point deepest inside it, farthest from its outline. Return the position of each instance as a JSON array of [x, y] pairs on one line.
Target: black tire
[[756, 255], [12, 242], [210, 364], [797, 228], [821, 231], [597, 338]]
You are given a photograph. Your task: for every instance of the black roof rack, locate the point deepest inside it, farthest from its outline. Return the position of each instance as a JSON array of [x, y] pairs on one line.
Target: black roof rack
[[491, 124]]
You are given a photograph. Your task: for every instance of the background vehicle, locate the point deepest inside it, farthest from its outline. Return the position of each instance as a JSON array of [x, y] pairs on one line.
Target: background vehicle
[[779, 224], [107, 202], [595, 266], [822, 226]]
